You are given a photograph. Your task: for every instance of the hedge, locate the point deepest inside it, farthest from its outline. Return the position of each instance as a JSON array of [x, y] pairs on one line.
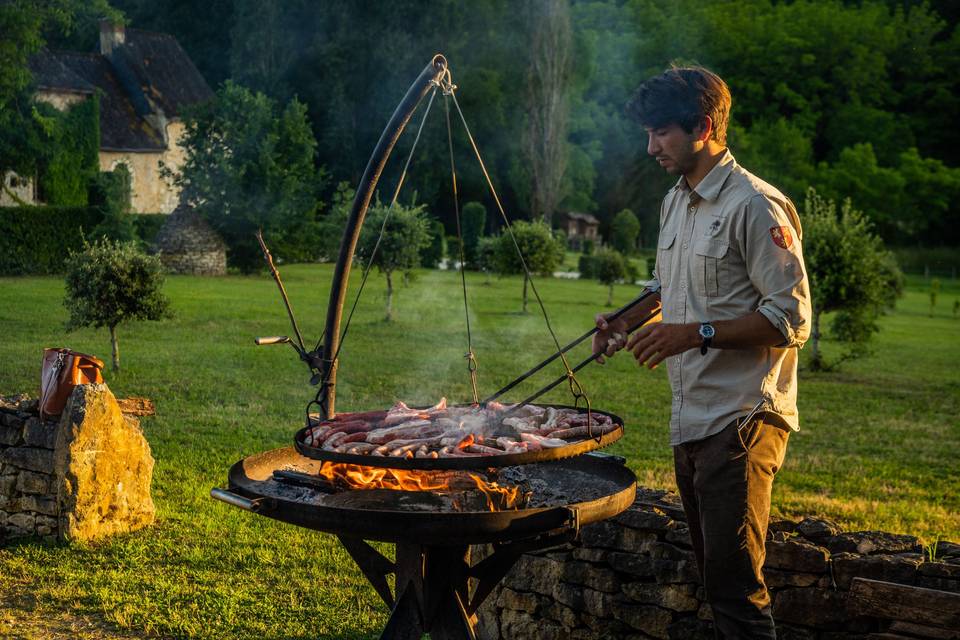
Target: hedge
[[37, 240]]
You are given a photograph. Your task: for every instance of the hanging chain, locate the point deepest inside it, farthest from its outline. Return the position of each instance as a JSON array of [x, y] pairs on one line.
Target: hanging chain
[[373, 254], [576, 389], [448, 87]]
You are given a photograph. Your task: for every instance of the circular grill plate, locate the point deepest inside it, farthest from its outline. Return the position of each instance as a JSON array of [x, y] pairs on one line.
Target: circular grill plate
[[575, 448]]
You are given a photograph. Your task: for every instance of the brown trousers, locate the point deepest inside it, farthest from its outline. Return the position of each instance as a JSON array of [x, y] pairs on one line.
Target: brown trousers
[[725, 483]]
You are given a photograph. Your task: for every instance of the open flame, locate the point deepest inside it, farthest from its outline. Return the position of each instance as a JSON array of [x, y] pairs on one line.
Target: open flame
[[350, 476]]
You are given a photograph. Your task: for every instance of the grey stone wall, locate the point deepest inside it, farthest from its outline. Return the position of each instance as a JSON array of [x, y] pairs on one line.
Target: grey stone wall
[[635, 577], [28, 505]]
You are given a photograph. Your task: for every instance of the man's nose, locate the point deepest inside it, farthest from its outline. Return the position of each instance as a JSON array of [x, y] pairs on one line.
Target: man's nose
[[653, 147]]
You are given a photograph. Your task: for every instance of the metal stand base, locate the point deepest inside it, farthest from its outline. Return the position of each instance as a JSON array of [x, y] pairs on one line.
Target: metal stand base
[[434, 594]]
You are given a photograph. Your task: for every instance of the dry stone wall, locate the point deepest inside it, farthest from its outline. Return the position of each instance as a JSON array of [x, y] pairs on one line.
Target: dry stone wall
[[27, 476], [635, 577], [79, 477]]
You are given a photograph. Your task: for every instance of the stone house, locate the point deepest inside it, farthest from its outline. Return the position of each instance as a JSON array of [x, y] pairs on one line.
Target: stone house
[[580, 227], [145, 81]]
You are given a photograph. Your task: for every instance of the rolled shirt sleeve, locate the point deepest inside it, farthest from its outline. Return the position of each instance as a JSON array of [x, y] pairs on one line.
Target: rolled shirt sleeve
[[774, 261]]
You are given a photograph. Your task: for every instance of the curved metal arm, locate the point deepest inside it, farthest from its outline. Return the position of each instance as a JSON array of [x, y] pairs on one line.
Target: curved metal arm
[[351, 233]]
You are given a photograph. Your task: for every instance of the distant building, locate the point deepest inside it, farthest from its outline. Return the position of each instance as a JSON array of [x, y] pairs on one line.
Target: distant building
[[580, 227], [145, 81]]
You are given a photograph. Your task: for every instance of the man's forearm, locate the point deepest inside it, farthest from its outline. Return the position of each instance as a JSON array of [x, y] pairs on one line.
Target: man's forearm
[[749, 331]]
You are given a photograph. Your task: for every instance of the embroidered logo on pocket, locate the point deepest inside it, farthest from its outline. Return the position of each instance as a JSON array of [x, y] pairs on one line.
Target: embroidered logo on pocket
[[781, 237]]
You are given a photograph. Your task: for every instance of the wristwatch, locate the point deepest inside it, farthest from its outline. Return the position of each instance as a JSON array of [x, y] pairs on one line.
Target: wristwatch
[[706, 332]]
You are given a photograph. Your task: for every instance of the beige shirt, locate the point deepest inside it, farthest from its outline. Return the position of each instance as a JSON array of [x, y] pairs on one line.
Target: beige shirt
[[726, 249]]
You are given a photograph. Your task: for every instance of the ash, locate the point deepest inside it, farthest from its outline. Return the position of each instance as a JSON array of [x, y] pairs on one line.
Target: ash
[[550, 485]]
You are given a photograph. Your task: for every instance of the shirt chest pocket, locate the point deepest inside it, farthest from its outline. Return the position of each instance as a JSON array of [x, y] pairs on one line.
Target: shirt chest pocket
[[665, 257], [710, 265]]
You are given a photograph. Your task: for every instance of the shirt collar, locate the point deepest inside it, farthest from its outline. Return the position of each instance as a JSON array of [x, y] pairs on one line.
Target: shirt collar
[[709, 188]]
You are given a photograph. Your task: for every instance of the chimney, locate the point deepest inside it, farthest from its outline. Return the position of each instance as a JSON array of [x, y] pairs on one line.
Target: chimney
[[112, 35]]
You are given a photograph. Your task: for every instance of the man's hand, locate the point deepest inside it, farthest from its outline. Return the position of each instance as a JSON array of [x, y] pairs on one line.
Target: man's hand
[[655, 342], [611, 336]]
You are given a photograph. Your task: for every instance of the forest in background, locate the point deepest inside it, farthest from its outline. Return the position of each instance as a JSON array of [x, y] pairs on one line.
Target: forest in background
[[858, 99]]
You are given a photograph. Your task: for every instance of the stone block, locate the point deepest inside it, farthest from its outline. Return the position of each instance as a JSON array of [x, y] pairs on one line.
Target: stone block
[[21, 524], [679, 536], [796, 555], [589, 554], [888, 568], [781, 524], [635, 564], [646, 518], [591, 575], [103, 468], [7, 483], [673, 571], [510, 599], [560, 613], [817, 528], [605, 627], [30, 482], [649, 619], [810, 607], [534, 574], [39, 434], [610, 535], [777, 579], [30, 458], [939, 570], [705, 612], [518, 625], [596, 603], [941, 584], [11, 435], [676, 597], [38, 504], [45, 526], [872, 542]]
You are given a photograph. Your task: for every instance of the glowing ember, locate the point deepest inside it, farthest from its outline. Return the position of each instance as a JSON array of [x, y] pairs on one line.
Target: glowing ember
[[349, 476]]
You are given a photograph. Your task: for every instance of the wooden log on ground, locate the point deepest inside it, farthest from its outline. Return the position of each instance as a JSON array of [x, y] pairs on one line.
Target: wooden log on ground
[[890, 601]]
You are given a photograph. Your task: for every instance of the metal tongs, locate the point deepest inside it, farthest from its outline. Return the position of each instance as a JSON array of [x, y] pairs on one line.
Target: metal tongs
[[592, 357], [314, 358]]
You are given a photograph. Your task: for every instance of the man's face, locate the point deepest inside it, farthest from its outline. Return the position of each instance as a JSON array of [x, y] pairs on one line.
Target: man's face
[[673, 148]]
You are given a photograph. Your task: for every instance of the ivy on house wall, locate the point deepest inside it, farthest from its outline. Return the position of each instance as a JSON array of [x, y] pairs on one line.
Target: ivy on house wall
[[70, 154]]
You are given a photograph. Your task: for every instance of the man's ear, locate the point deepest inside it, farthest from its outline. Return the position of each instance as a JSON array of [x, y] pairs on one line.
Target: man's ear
[[704, 130]]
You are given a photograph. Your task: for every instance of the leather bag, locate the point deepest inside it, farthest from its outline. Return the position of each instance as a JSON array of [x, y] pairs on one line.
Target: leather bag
[[62, 370]]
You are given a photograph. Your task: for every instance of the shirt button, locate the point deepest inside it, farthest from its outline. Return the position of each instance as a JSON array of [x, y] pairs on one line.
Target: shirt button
[[691, 208], [685, 246]]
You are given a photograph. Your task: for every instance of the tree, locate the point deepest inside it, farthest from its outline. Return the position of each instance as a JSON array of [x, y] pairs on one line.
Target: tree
[[542, 251], [405, 235], [112, 282], [432, 253], [610, 268], [472, 225], [850, 273], [111, 193], [624, 231], [250, 165], [548, 104]]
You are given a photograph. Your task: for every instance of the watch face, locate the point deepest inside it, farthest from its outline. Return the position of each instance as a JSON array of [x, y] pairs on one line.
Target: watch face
[[706, 330]]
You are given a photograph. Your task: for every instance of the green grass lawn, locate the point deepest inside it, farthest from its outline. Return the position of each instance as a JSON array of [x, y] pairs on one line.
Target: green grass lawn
[[878, 449]]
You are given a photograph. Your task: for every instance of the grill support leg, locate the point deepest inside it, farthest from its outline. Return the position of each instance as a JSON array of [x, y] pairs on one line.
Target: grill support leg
[[431, 593]]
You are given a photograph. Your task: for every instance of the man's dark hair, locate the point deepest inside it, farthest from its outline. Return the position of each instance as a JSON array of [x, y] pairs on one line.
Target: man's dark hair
[[683, 96]]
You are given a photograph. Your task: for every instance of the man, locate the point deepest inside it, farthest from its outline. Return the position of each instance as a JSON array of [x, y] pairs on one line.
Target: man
[[736, 307]]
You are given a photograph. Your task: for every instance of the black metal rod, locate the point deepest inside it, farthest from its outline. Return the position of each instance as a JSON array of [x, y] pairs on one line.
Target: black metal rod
[[351, 233], [584, 363], [556, 355], [283, 292]]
